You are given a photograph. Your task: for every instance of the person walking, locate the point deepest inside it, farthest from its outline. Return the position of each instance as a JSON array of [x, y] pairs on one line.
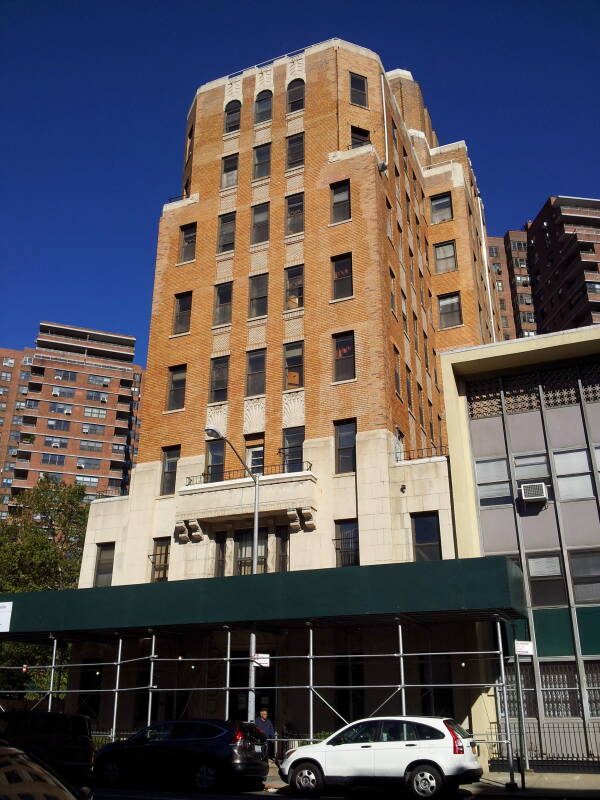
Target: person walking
[[265, 726]]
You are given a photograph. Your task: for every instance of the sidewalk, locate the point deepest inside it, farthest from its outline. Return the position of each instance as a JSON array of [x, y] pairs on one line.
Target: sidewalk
[[584, 786]]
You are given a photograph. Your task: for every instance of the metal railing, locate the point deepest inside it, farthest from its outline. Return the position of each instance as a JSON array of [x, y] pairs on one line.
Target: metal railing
[[216, 476], [556, 741], [423, 452]]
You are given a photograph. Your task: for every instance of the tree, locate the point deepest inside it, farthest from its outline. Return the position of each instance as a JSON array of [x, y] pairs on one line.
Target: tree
[[40, 548]]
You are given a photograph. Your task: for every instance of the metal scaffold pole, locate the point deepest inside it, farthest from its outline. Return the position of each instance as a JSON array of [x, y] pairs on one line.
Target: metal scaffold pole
[[116, 691], [52, 668], [151, 677], [227, 671], [311, 697], [505, 719], [401, 657]]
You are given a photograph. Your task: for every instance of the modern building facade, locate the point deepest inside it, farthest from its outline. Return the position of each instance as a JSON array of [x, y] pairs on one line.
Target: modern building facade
[[69, 411], [523, 422], [563, 255]]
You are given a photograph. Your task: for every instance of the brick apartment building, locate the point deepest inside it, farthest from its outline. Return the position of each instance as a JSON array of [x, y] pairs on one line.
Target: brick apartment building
[[68, 409], [563, 255], [502, 280], [508, 256]]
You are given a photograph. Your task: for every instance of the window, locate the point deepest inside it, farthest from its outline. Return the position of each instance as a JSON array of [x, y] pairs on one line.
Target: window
[[263, 107], [176, 393], [222, 309], [293, 440], [98, 380], [295, 96], [343, 357], [5, 376], [585, 571], [255, 453], [97, 397], [294, 151], [397, 372], [449, 309], [502, 304], [441, 207], [62, 391], [258, 295], [345, 446], [52, 441], [183, 311], [388, 221], [395, 136], [426, 536], [409, 390], [492, 482], [340, 201], [189, 145], [215, 460], [294, 288], [293, 358], [426, 350], [169, 468], [104, 564], [493, 252], [58, 424], [346, 544], [359, 137], [60, 375], [546, 580], [420, 405], [226, 237], [261, 161], [358, 90], [8, 362], [229, 171], [219, 372], [243, 552], [573, 474], [53, 458], [342, 276], [445, 256], [88, 463], [255, 372], [533, 469], [89, 427], [160, 560], [232, 116], [260, 223], [187, 242], [416, 331], [220, 551], [60, 408], [404, 314], [294, 214], [560, 689], [500, 286], [88, 445]]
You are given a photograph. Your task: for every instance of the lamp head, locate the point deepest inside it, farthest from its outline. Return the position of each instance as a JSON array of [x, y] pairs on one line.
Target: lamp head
[[213, 433]]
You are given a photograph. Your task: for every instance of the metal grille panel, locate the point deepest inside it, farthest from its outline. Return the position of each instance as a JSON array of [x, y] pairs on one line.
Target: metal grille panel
[[521, 393], [560, 387], [590, 380], [484, 399]]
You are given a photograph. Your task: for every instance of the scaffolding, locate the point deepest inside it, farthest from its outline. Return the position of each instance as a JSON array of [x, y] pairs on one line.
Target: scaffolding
[[314, 691]]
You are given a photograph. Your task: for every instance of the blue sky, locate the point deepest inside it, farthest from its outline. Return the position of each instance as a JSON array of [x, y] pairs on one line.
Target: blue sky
[[95, 94]]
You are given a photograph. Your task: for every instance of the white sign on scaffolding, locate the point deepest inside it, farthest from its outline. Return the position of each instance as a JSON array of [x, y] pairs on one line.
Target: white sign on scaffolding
[[5, 615], [262, 659], [523, 648]]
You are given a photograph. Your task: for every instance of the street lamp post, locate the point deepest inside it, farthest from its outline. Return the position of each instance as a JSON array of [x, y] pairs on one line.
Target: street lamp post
[[214, 433]]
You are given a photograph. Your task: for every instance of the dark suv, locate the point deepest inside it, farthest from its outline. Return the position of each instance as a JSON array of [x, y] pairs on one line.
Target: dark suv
[[199, 753], [61, 740]]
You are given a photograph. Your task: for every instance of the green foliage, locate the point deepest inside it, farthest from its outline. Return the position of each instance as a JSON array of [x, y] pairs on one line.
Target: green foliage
[[40, 548]]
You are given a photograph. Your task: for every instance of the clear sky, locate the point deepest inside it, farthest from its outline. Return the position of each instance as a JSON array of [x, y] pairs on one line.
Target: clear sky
[[95, 94]]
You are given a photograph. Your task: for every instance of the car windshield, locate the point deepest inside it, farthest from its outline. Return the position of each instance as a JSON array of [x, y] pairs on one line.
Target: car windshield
[[458, 729]]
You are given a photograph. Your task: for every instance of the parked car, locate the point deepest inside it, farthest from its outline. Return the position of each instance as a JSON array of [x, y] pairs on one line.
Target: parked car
[[63, 741], [23, 776], [427, 754], [199, 753]]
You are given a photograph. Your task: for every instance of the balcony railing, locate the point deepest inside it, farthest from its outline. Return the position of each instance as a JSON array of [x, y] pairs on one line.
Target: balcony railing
[[425, 452], [215, 475]]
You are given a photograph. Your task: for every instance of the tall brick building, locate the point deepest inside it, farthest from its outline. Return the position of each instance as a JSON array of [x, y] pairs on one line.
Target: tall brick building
[[563, 257], [68, 409], [508, 257], [324, 249]]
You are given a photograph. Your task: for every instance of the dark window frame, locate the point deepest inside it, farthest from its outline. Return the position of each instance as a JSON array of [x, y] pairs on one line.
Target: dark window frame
[[176, 387], [263, 107], [341, 210], [170, 457], [256, 365], [344, 365], [182, 315], [226, 232], [359, 96], [232, 116], [187, 242], [294, 214], [219, 379], [295, 96], [294, 154], [345, 430], [293, 364], [258, 295]]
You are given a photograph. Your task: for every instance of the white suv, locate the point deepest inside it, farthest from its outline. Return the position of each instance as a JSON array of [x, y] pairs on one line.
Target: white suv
[[429, 754]]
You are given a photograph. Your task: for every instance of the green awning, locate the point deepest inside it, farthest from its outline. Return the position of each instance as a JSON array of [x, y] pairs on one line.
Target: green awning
[[472, 588]]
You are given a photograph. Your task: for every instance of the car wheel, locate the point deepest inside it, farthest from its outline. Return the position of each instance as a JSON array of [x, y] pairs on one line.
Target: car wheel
[[205, 776], [110, 773], [425, 781], [306, 780]]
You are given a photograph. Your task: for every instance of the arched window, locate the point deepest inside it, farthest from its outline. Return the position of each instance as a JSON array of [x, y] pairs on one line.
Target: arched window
[[295, 96], [263, 106], [232, 116]]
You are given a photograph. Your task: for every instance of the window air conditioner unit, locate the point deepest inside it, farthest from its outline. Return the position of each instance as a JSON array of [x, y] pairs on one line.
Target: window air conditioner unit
[[104, 399], [534, 492], [55, 444], [55, 393], [58, 377], [85, 429], [68, 411], [80, 466]]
